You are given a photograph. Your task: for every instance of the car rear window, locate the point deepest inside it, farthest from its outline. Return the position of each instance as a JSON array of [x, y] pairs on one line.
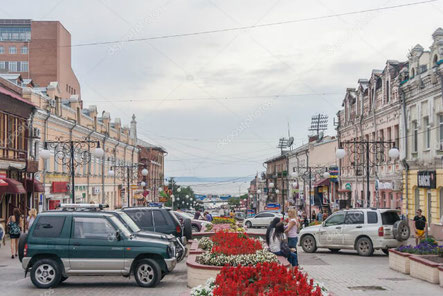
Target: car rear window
[[372, 218], [49, 226], [389, 218], [143, 218], [159, 218]]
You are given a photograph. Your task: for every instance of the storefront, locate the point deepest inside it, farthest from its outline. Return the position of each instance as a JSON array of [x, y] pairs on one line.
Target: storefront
[[59, 194], [425, 192]]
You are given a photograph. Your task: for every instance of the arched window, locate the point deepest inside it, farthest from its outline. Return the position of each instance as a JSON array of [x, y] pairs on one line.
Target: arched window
[[388, 95], [417, 198], [435, 60], [412, 73]]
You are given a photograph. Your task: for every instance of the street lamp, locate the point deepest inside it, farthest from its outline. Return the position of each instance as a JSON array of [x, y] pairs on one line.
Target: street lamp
[[72, 154], [145, 172], [340, 153], [143, 184], [125, 173], [179, 189], [394, 153], [187, 196], [326, 175], [271, 185]]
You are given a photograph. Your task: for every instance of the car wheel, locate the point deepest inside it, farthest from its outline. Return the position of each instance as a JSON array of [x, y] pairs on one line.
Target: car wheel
[[335, 251], [308, 244], [21, 246], [401, 230], [195, 229], [386, 251], [364, 246], [45, 273], [147, 273], [248, 224], [187, 225]]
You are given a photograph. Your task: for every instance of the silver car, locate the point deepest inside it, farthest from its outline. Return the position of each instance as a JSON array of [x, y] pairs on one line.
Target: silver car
[[364, 230], [262, 219]]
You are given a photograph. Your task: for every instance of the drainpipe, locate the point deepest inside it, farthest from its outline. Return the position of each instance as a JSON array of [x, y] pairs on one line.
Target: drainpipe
[[114, 169], [132, 162], [103, 169], [45, 136], [88, 180], [72, 162], [405, 135]]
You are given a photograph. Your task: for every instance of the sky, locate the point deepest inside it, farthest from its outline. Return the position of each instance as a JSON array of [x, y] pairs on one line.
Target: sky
[[245, 88]]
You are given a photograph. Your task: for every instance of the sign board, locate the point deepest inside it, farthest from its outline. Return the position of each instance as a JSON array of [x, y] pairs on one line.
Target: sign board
[[427, 179], [32, 166], [271, 207], [59, 187], [348, 186]]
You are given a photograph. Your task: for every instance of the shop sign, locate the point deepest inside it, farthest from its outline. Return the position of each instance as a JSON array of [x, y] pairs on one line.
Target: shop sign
[[427, 179], [32, 166], [59, 187], [348, 186]]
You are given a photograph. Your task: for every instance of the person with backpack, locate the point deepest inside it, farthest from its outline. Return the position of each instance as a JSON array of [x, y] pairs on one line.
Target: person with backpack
[[14, 223]]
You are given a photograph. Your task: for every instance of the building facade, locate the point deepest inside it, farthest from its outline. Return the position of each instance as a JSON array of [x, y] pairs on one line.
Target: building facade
[[423, 132], [38, 50], [370, 114]]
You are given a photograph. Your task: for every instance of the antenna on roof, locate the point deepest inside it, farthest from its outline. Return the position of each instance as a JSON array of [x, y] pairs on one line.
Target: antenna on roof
[[319, 123]]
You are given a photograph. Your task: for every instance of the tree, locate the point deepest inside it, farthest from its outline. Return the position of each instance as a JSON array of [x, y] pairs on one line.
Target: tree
[[234, 202], [180, 197]]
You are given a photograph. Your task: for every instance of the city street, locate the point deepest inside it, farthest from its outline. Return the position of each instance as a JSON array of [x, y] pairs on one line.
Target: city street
[[344, 274]]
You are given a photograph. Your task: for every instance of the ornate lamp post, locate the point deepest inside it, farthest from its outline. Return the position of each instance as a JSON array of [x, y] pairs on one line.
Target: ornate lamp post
[[127, 173], [72, 154], [360, 155]]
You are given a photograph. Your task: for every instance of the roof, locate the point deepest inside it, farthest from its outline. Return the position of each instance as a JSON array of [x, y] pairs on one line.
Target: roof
[[15, 96], [145, 144]]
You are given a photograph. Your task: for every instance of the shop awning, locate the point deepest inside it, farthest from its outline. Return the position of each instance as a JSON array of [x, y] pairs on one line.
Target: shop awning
[[14, 187], [323, 182], [344, 190], [38, 186]]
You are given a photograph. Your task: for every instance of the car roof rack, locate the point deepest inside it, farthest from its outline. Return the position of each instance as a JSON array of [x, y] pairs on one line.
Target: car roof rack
[[82, 207]]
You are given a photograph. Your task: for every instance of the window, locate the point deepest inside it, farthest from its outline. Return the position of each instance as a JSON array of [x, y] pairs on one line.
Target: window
[[55, 164], [12, 66], [372, 217], [417, 198], [354, 218], [159, 219], [441, 202], [427, 132], [12, 50], [24, 50], [440, 118], [415, 136], [387, 92], [93, 228], [143, 218], [49, 226], [2, 50], [2, 65], [335, 219], [24, 67]]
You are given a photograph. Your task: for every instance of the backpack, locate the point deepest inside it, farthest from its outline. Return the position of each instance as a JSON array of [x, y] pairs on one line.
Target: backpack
[[13, 228]]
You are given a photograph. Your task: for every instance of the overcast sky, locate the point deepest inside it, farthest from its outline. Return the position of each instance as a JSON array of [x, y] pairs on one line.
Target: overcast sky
[[236, 127]]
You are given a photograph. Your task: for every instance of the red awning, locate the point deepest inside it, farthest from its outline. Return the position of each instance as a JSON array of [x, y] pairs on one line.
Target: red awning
[[3, 183], [14, 187], [344, 190], [323, 182], [38, 186]]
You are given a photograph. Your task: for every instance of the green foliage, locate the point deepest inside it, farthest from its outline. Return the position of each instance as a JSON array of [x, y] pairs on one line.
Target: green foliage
[[180, 197]]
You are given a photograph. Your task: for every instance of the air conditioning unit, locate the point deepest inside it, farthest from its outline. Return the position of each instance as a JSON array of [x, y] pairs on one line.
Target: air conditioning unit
[[36, 133]]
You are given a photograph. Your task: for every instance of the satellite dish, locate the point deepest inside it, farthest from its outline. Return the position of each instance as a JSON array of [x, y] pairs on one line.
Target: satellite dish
[[290, 141]]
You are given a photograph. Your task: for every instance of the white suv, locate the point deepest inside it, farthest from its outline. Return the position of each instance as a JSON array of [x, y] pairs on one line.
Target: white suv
[[361, 229]]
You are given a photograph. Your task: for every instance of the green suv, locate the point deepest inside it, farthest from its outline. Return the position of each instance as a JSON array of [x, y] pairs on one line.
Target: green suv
[[74, 242]]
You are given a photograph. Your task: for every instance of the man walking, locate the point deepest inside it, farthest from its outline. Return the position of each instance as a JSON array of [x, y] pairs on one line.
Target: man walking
[[420, 225]]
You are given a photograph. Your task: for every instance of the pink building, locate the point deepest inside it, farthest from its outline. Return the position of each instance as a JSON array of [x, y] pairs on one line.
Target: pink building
[[371, 113]]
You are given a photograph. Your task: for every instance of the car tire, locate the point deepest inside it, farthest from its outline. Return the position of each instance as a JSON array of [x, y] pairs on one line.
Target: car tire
[[335, 251], [21, 246], [248, 224], [46, 273], [187, 225], [195, 229], [401, 230], [364, 246], [147, 273], [308, 244]]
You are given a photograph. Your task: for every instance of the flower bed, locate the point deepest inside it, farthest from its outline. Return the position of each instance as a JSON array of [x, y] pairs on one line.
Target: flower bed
[[263, 279], [223, 220]]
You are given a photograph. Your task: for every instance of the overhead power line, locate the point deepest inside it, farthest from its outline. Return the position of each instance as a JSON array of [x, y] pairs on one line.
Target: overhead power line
[[252, 26]]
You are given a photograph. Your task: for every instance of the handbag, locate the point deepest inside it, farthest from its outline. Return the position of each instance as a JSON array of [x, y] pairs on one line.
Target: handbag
[[284, 248]]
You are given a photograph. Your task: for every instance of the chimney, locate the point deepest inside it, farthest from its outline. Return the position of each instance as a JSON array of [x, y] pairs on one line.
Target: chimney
[[133, 131]]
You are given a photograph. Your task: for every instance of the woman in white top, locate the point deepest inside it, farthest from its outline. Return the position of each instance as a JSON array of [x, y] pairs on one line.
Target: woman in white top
[[292, 229], [31, 218], [276, 238]]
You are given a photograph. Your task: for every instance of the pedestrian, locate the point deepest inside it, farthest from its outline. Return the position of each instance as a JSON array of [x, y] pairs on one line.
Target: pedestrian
[[402, 216], [277, 241], [2, 235], [271, 228], [305, 220], [231, 214], [320, 216], [14, 222], [314, 216], [31, 218], [292, 229], [420, 225], [197, 215], [299, 213], [208, 217]]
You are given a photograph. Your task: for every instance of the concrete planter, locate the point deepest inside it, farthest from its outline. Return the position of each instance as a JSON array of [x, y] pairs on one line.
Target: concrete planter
[[424, 269], [198, 273], [194, 249], [440, 272], [399, 261]]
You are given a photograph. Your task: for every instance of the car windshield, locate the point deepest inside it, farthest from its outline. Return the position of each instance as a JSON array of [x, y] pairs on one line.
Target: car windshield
[[121, 227], [131, 224]]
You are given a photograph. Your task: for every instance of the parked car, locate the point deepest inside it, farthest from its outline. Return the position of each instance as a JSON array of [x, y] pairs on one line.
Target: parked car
[[74, 241], [364, 230], [160, 220], [240, 216], [261, 219], [197, 225], [132, 226]]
